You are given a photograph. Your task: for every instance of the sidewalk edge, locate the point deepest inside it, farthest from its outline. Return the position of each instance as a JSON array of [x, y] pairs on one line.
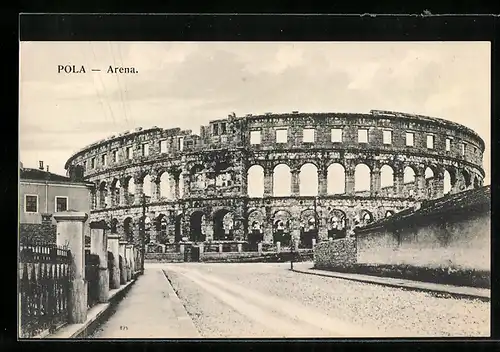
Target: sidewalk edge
[[181, 312], [423, 289]]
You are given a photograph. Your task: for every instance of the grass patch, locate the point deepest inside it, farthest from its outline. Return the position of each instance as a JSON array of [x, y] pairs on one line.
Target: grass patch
[[446, 276]]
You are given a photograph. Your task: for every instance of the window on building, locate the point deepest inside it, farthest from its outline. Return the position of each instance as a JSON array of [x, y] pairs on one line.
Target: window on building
[[92, 163], [336, 135], [387, 137], [61, 204], [163, 146], [180, 142], [463, 148], [115, 156], [281, 136], [216, 129], [409, 139], [104, 160], [308, 135], [30, 203], [85, 165], [475, 150], [430, 141], [223, 128], [448, 144], [362, 136], [145, 149], [130, 153], [254, 137]]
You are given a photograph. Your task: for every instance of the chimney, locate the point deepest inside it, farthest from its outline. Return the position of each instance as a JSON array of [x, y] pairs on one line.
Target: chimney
[[41, 165], [47, 168]]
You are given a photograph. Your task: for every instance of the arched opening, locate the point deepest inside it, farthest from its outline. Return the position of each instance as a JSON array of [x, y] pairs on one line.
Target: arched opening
[[409, 182], [197, 231], [147, 187], [335, 179], [161, 227], [308, 228], [387, 180], [363, 218], [389, 213], [337, 224], [282, 181], [429, 182], [255, 233], [308, 180], [181, 185], [197, 178], [102, 194], [223, 225], [366, 217], [281, 227], [177, 228], [130, 190], [467, 179], [446, 182], [362, 178], [477, 183], [128, 232], [255, 181], [224, 175], [165, 191], [115, 192], [150, 234], [114, 225]]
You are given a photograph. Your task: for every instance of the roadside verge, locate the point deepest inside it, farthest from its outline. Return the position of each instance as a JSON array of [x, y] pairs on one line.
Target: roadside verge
[[456, 291]]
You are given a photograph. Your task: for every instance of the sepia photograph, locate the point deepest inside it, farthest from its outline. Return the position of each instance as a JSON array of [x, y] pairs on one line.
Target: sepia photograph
[[192, 190]]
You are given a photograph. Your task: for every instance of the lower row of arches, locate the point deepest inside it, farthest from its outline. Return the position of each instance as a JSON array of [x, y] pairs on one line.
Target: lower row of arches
[[221, 225]]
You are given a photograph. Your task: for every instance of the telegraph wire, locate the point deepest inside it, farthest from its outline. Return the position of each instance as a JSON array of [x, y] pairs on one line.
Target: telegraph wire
[[127, 101], [119, 85], [104, 88], [97, 90]]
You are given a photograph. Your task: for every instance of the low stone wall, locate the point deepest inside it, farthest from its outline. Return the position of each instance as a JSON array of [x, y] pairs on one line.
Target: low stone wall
[[233, 257], [336, 253], [164, 257], [45, 233]]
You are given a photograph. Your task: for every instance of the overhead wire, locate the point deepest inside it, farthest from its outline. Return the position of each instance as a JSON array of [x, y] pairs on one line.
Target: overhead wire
[[119, 85]]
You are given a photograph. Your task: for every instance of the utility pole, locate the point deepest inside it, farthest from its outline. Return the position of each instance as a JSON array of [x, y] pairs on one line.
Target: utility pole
[[143, 232]]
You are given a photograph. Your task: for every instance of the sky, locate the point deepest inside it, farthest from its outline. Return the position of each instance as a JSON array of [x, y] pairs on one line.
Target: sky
[[187, 84]]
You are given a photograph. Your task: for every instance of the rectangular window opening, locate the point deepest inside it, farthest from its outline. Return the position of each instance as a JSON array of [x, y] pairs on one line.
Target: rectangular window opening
[[409, 139], [254, 137], [31, 203], [336, 135], [448, 144], [308, 135], [430, 141], [362, 136], [387, 137], [163, 146], [281, 136], [61, 204]]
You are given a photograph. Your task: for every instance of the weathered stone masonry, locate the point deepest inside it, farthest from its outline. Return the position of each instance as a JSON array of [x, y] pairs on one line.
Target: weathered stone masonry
[[277, 175]]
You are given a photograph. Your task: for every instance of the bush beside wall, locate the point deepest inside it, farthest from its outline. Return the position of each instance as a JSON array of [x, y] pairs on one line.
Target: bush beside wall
[[445, 276], [339, 252], [45, 233]]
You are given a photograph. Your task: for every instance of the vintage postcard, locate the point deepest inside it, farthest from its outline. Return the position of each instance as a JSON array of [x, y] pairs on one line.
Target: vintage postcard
[[254, 189]]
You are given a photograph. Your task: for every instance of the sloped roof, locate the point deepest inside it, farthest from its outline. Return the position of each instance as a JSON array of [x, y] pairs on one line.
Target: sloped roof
[[42, 175], [448, 204]]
